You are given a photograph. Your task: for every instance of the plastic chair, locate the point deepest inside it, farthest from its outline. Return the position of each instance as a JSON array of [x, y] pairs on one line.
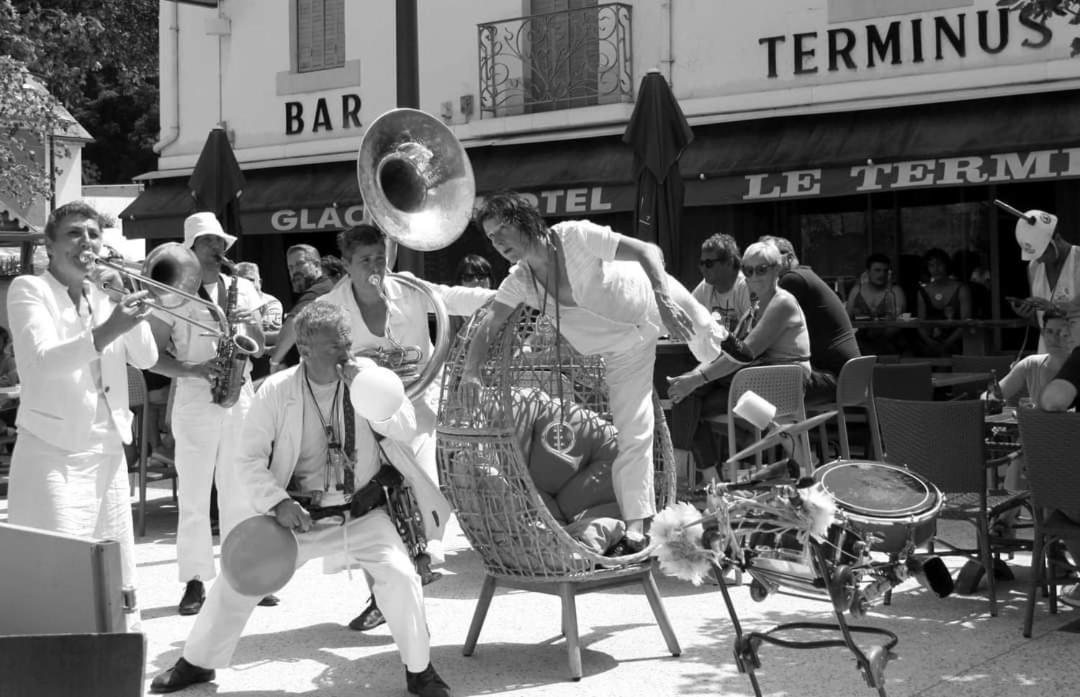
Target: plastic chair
[[781, 385], [943, 441], [486, 478], [854, 390], [903, 381], [1051, 442], [138, 402]]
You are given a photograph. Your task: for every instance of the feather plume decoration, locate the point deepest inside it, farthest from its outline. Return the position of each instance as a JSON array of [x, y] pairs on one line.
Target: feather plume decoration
[[819, 507], [677, 532]]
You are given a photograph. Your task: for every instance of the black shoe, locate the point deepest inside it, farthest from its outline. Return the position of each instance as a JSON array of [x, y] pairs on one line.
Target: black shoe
[[194, 595], [269, 601], [180, 676], [427, 683], [370, 618]]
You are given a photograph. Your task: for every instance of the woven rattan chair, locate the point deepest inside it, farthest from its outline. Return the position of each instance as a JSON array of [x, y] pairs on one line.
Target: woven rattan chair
[[943, 441], [485, 476], [139, 403], [1051, 442]]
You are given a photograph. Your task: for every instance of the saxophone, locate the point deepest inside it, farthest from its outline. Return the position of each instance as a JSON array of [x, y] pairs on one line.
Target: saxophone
[[232, 354]]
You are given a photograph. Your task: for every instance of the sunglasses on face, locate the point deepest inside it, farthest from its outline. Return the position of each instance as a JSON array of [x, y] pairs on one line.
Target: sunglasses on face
[[709, 263], [759, 270]]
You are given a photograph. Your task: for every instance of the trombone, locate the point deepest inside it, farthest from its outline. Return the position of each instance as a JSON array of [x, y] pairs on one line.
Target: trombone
[[172, 274]]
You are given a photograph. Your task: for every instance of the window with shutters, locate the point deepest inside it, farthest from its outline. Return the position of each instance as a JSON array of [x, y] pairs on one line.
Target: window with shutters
[[320, 34]]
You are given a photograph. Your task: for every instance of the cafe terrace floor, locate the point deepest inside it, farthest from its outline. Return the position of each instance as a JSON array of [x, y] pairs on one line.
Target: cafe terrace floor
[[948, 647]]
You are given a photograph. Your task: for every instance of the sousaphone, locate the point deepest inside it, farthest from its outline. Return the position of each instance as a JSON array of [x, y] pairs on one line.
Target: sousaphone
[[418, 188]]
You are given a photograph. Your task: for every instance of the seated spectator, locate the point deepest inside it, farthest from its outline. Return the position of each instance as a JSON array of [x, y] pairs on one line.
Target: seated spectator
[[723, 290], [832, 338], [942, 297], [778, 334], [875, 297], [1031, 374], [1061, 395]]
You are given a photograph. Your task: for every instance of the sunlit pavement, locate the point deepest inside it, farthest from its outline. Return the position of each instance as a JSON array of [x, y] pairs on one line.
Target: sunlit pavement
[[302, 647]]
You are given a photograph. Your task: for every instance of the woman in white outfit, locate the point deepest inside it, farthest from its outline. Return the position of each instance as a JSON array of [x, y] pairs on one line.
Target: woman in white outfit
[[72, 346]]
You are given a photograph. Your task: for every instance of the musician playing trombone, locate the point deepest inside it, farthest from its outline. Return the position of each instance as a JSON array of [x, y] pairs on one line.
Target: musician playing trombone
[[72, 344], [206, 434]]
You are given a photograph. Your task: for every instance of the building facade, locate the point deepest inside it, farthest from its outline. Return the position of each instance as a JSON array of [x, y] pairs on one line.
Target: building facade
[[849, 126]]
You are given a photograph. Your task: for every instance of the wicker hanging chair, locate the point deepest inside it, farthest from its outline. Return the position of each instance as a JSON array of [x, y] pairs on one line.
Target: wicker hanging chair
[[486, 477]]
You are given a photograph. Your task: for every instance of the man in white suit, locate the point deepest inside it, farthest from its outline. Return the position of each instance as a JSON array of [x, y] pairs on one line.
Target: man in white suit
[[72, 346], [305, 439]]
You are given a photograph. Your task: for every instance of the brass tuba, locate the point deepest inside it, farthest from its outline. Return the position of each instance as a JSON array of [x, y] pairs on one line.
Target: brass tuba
[[417, 185]]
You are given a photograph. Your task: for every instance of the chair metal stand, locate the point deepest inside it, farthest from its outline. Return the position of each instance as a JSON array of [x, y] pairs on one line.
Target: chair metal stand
[[568, 591], [871, 663]]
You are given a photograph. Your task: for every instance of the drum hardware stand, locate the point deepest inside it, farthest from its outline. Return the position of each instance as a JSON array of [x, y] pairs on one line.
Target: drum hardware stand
[[871, 663]]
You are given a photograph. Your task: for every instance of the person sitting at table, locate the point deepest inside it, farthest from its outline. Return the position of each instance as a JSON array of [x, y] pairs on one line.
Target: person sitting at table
[[942, 297], [832, 338], [1061, 394], [9, 377], [723, 290], [875, 297], [777, 334]]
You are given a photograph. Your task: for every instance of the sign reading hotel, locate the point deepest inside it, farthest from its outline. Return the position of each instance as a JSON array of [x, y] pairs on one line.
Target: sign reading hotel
[[944, 32]]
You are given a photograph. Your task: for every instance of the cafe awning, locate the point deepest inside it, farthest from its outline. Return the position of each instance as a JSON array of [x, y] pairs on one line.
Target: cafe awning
[[967, 143], [309, 198]]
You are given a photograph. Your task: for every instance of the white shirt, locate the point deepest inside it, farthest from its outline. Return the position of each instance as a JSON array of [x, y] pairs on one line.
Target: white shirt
[[726, 308]]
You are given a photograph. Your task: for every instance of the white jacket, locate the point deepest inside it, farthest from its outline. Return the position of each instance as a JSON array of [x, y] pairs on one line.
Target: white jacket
[[53, 352], [272, 432]]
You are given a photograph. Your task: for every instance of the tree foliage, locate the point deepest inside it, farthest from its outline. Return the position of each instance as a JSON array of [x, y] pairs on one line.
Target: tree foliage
[[98, 58]]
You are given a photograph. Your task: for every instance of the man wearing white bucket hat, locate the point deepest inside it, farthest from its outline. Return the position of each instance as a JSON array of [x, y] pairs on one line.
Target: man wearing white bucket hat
[[1053, 268], [207, 435]]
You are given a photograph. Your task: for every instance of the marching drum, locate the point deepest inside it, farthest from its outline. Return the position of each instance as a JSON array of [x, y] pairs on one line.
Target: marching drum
[[889, 506]]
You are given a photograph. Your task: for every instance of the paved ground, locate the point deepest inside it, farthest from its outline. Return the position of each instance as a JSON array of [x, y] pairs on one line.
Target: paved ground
[[947, 646]]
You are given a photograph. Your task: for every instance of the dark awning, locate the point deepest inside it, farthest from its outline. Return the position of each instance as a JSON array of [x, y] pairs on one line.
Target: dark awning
[[308, 198], [1005, 139]]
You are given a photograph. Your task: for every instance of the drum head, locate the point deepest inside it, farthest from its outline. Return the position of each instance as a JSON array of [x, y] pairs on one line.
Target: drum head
[[877, 489]]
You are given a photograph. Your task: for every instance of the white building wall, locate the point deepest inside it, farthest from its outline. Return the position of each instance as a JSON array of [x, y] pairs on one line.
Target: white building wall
[[715, 53]]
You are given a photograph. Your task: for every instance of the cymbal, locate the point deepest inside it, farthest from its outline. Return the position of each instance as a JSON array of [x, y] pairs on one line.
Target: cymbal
[[774, 437]]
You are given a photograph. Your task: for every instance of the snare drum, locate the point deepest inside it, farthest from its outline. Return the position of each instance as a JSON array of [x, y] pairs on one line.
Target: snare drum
[[889, 502]]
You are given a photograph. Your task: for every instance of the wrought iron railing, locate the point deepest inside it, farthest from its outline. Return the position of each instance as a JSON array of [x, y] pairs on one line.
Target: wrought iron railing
[[557, 60]]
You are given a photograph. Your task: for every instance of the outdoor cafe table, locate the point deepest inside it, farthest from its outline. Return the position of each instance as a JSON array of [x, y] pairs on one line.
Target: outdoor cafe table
[[977, 338]]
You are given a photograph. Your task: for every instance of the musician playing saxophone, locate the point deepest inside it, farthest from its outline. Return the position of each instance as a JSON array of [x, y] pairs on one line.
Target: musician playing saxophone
[[207, 434]]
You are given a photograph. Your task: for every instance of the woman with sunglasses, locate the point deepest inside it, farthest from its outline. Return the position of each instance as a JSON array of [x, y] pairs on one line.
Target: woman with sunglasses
[[777, 334]]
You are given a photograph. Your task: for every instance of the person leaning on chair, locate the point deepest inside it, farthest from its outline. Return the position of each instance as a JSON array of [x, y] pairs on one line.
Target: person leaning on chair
[[609, 295], [304, 437], [68, 472]]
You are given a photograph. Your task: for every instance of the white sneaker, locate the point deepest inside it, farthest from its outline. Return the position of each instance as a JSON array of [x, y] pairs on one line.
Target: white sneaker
[[1070, 595]]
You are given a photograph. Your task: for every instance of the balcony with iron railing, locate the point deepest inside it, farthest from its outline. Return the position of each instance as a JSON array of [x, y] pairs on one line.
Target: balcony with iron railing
[[557, 60]]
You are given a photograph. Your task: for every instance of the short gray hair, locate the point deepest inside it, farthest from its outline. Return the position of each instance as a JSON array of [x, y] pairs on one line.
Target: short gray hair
[[248, 270], [308, 251], [787, 250], [320, 316], [766, 250]]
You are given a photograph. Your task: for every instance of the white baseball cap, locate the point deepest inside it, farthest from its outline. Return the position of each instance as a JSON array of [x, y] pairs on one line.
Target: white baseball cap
[[1034, 237], [205, 223]]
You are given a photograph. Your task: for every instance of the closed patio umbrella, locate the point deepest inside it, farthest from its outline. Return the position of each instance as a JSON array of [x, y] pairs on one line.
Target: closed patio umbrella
[[217, 183], [658, 133]]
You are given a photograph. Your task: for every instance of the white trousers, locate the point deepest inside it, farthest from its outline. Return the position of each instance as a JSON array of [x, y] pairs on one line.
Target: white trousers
[[373, 543], [630, 395], [207, 442], [76, 493]]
